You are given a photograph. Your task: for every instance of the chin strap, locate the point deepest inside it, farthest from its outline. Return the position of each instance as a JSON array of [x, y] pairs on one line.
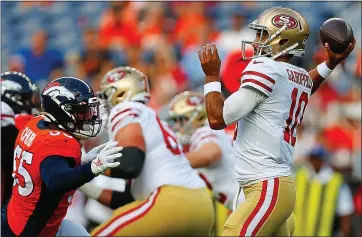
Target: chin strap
[[49, 118], [285, 51]]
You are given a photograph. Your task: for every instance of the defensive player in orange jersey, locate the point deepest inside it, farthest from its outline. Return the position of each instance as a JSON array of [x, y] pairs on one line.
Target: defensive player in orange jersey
[[48, 162]]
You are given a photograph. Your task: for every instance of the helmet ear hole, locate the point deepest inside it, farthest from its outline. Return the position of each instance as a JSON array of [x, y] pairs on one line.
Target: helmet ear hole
[[121, 94], [283, 41]]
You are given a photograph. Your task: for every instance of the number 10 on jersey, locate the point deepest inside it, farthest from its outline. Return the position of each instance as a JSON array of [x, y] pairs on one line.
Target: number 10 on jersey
[[297, 109]]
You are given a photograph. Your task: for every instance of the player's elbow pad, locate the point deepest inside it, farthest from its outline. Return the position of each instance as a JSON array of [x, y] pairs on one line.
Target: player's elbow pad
[[132, 161]]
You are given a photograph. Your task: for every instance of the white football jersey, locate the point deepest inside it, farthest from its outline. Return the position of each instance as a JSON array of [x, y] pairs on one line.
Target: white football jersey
[[165, 163], [220, 176], [264, 148], [7, 115]]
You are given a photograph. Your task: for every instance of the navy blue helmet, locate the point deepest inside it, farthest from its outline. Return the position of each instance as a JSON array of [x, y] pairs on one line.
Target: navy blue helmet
[[19, 92], [71, 104]]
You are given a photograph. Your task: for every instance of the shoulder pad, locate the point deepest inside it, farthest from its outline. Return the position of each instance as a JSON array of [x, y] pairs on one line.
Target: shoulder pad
[[126, 113], [260, 74]]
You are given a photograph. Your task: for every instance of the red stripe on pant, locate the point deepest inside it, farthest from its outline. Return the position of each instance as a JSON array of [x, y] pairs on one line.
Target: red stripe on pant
[[270, 208], [256, 209], [130, 221]]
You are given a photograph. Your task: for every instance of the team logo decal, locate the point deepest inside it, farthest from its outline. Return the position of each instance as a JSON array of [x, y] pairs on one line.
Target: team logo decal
[[56, 91], [281, 20], [9, 85], [116, 76], [55, 83], [195, 100]]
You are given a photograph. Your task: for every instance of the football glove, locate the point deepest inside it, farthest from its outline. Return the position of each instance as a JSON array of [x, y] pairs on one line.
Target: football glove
[[106, 158], [92, 154]]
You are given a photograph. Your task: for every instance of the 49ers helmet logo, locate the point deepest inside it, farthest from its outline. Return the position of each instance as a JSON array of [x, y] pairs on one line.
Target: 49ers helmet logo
[[116, 76], [281, 20], [195, 100]]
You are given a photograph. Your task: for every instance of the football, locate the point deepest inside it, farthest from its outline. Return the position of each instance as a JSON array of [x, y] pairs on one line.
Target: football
[[337, 33]]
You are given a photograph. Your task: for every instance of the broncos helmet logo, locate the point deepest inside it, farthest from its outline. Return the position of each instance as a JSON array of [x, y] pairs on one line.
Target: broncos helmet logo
[[56, 91], [9, 85]]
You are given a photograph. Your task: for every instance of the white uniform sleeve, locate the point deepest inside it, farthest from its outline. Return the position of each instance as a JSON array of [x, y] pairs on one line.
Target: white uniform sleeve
[[7, 115], [122, 116], [201, 137], [241, 103], [345, 201], [261, 75]]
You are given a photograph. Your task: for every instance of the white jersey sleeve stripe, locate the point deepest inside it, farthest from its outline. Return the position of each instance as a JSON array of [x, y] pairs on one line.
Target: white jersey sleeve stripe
[[259, 75], [253, 81], [123, 117], [121, 112], [7, 116], [199, 142], [258, 81], [199, 134]]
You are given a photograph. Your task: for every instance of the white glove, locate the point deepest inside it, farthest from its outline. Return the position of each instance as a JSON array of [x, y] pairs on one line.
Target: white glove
[[106, 158], [92, 154]]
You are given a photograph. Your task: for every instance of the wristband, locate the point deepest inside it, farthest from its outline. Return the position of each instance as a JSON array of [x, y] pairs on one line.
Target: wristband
[[212, 86], [324, 70]]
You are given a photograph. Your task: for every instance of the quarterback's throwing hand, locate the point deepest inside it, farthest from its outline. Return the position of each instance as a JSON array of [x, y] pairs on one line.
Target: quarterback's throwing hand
[[335, 58], [210, 60], [106, 158]]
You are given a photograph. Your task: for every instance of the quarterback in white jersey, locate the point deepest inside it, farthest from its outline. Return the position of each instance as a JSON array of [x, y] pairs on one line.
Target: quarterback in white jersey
[[170, 197], [209, 151], [271, 101]]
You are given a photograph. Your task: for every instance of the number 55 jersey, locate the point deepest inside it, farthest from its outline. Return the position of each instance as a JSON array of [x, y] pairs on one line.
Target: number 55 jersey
[[34, 209], [264, 147]]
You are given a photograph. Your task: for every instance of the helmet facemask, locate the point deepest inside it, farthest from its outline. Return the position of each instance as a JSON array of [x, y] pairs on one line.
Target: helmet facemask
[[87, 120], [83, 119], [263, 45], [185, 125]]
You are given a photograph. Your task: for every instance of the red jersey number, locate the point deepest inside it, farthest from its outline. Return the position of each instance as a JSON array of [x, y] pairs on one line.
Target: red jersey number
[[292, 122], [21, 176], [170, 139]]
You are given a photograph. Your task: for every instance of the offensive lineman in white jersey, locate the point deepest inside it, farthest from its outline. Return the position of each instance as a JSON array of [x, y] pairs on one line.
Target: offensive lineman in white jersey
[[209, 151], [171, 199], [271, 101]]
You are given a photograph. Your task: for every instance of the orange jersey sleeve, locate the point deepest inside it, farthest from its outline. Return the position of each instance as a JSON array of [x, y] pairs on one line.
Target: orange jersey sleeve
[[22, 119], [48, 142]]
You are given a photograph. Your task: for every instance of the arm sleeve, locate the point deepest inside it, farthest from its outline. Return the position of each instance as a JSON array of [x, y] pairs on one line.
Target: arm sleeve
[[132, 162], [345, 201], [57, 174], [241, 103]]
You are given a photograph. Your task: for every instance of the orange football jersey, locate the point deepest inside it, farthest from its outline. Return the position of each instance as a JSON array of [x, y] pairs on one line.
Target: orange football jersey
[[32, 205]]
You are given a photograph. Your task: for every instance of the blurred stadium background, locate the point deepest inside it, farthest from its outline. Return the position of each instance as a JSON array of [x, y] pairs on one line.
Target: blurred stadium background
[[85, 39]]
